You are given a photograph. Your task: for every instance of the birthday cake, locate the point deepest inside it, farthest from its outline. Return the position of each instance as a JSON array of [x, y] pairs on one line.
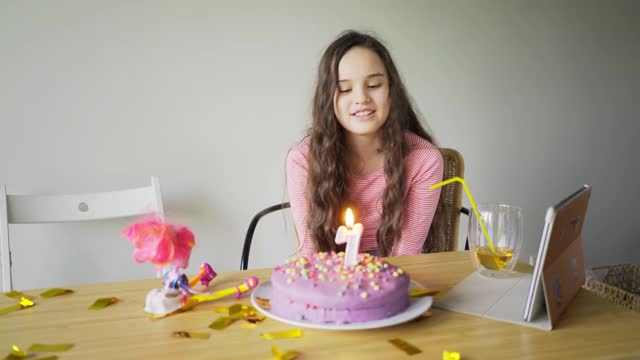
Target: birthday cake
[[321, 289]]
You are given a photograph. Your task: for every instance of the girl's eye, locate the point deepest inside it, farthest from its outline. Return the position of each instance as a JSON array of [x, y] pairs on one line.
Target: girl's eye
[[374, 86], [343, 91]]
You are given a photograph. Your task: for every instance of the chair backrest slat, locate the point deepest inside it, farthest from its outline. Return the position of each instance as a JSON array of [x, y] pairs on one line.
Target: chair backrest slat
[[30, 209]]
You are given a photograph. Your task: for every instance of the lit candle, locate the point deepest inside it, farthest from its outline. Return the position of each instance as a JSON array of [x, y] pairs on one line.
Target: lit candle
[[350, 234]]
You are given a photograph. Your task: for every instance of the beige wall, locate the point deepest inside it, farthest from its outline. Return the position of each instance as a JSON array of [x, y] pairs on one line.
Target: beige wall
[[539, 96]]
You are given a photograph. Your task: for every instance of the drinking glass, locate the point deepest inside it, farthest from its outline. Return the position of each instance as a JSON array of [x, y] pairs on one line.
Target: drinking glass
[[504, 226]]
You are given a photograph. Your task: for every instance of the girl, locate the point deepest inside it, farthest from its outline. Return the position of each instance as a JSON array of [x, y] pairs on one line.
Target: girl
[[365, 150]]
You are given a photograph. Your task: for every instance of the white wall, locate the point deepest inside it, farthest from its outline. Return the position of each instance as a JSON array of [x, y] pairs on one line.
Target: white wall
[[539, 96]]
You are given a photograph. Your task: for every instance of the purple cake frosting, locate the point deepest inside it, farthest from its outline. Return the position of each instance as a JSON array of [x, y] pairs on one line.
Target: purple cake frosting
[[320, 289]]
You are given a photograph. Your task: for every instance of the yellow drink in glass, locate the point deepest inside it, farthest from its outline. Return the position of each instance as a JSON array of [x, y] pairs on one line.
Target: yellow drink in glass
[[504, 226], [497, 261]]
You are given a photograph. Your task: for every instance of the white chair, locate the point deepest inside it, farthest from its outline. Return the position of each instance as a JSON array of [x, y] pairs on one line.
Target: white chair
[[33, 209]]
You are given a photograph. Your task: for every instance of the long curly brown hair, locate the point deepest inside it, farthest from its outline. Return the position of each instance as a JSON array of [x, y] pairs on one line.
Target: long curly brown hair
[[327, 180]]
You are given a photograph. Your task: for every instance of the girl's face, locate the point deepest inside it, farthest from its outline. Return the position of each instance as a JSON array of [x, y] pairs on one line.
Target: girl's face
[[361, 101]]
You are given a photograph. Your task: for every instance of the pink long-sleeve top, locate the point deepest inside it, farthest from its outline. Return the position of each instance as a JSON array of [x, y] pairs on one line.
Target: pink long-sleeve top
[[423, 167]]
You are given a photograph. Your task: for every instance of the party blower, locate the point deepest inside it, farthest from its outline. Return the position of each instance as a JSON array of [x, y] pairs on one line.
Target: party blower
[[168, 247]]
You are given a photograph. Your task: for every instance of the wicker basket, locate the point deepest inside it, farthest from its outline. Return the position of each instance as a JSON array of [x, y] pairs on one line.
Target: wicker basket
[[619, 284]]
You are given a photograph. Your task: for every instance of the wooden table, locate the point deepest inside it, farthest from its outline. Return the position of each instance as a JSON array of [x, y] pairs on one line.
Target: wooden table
[[591, 327]]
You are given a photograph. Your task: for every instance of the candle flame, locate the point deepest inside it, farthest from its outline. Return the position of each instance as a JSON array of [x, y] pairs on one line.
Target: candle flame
[[349, 218]]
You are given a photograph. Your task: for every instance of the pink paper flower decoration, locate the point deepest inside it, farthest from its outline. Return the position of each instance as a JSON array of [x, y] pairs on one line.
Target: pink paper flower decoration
[[160, 243]]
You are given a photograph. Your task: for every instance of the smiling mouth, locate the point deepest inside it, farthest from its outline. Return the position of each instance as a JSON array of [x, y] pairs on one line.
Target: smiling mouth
[[363, 114]]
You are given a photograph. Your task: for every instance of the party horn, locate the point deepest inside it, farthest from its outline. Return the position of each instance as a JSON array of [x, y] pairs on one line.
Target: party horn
[[248, 284]]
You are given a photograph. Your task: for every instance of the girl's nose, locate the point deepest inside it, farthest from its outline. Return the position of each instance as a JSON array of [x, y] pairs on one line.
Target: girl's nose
[[362, 96]]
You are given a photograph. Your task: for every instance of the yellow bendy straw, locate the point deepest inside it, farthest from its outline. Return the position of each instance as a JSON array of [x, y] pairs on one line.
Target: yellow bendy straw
[[473, 205]]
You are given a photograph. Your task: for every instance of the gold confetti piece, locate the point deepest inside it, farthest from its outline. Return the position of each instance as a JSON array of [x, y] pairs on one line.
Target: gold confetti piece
[[255, 318], [221, 310], [55, 292], [279, 355], [238, 310], [25, 303], [9, 309], [102, 303], [190, 335], [13, 357], [52, 357], [16, 351], [248, 313], [422, 292], [442, 293], [263, 303], [50, 348], [221, 322], [295, 333], [14, 294], [450, 355], [405, 346]]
